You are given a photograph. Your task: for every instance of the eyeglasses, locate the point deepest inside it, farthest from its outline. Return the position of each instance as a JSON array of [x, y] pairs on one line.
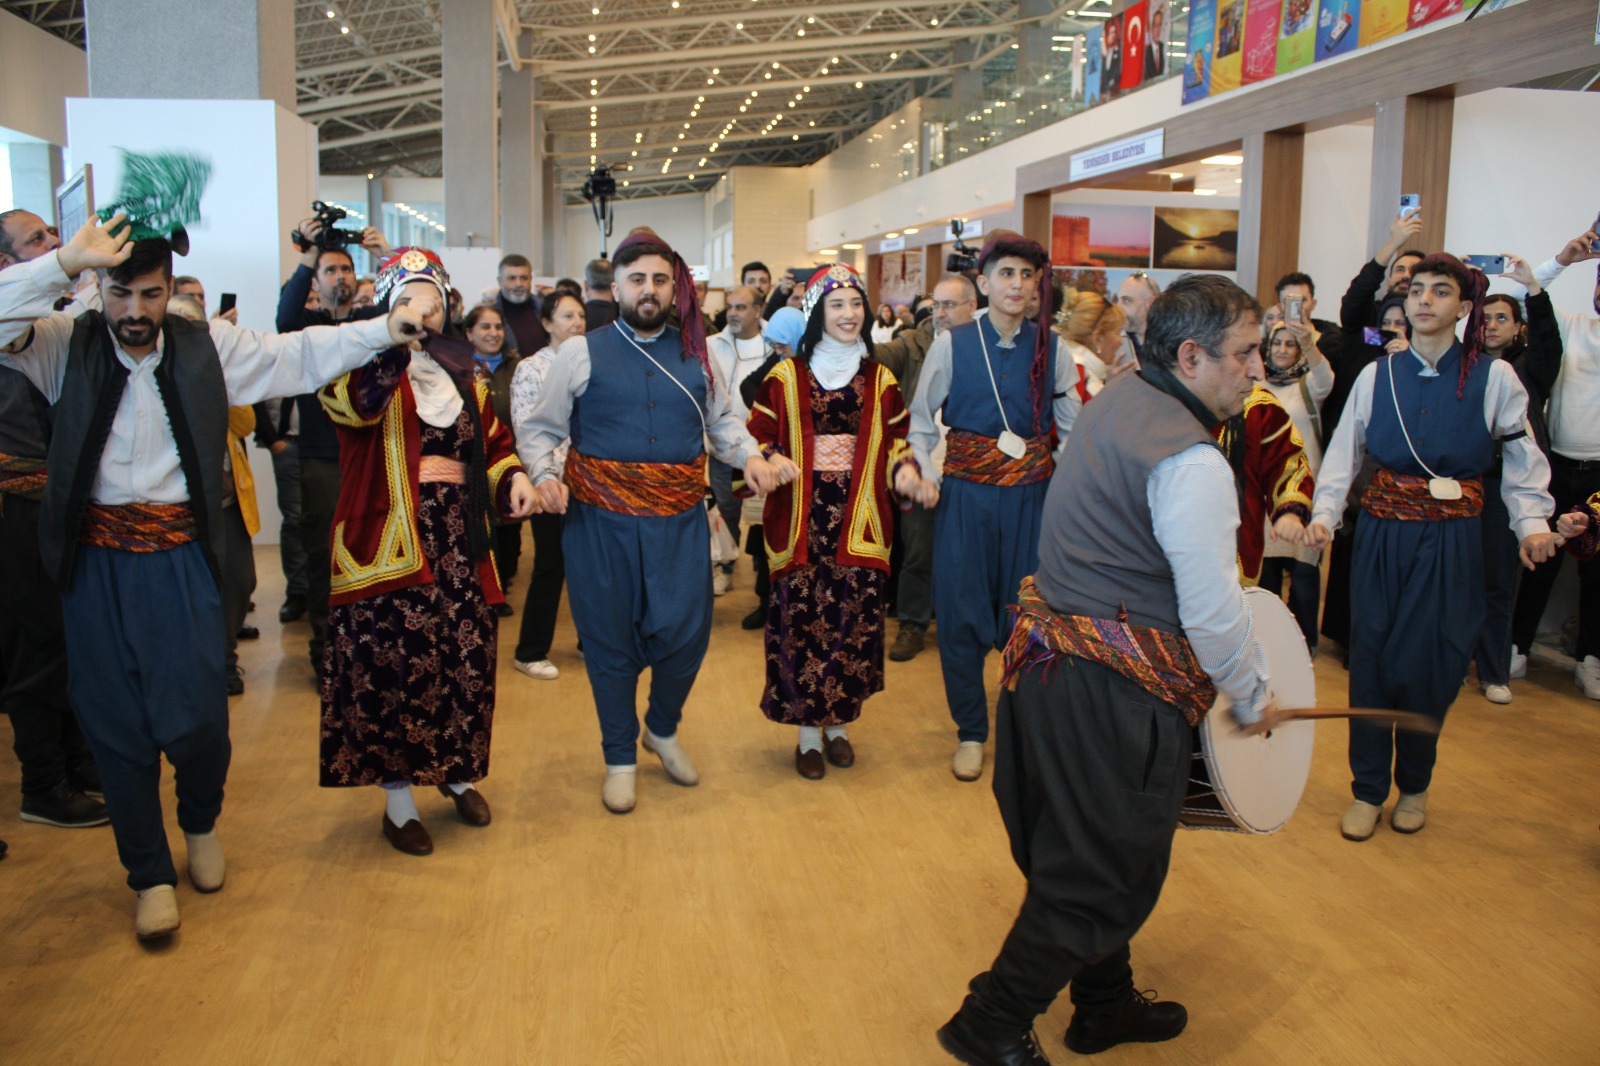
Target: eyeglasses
[[949, 305]]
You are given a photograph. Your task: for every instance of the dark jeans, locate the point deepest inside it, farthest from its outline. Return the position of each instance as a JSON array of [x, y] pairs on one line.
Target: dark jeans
[[319, 488], [33, 655], [1090, 771], [1571, 483], [544, 590], [507, 551], [238, 565], [915, 600], [1305, 591], [291, 549]]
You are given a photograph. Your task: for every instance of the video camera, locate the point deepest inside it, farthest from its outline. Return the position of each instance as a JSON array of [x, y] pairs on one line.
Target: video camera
[[330, 237], [600, 189], [964, 260]]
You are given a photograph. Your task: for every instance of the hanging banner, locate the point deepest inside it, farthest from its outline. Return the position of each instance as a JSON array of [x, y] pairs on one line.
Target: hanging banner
[[1134, 26], [1158, 34], [1227, 52], [1382, 19], [1337, 28], [1425, 11], [1093, 66], [1202, 34], [1296, 34], [1261, 40]]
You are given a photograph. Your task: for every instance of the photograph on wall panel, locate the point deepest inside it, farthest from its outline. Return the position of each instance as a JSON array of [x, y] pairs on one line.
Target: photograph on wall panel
[[1196, 238], [1100, 235]]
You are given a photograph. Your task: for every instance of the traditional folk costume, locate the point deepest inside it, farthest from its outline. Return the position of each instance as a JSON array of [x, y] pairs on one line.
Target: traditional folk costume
[[131, 531], [986, 525], [1132, 625], [1417, 578], [841, 418], [408, 691], [638, 409], [1269, 459], [1301, 389]]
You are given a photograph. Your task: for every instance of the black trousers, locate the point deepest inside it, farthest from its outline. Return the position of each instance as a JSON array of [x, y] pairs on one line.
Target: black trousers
[[1336, 602], [33, 655], [755, 545], [238, 565], [1571, 483], [319, 495], [544, 589], [1090, 773], [507, 551]]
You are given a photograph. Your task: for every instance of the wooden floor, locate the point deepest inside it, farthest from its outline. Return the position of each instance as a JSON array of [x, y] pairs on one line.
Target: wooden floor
[[761, 918]]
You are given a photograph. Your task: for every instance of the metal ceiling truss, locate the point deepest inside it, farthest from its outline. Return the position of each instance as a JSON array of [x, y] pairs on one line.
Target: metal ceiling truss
[[768, 82]]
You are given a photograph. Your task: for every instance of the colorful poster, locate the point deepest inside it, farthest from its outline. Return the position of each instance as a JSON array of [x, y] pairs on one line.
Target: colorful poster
[[1382, 19], [1197, 65], [1229, 49], [1100, 235], [1261, 40], [1337, 28], [1296, 34], [1111, 58], [1426, 11], [1134, 27], [1196, 238], [1093, 66]]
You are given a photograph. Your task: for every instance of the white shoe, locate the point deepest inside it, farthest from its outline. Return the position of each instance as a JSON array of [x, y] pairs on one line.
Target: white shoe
[[157, 915], [968, 762], [1410, 813], [540, 670], [674, 760], [618, 792], [721, 581], [1587, 676], [1497, 693], [1519, 664], [1360, 820], [206, 868]]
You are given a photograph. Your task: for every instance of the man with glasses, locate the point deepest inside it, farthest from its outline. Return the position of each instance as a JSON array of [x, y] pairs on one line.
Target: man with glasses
[[1135, 295]]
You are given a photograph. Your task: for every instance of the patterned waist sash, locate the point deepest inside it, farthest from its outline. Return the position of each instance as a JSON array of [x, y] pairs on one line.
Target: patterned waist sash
[[835, 451], [660, 489], [1405, 497], [137, 527], [1161, 663], [22, 477], [974, 457], [441, 468]]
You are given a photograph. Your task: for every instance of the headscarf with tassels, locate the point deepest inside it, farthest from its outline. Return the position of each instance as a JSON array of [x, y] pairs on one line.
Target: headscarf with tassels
[[1039, 386], [686, 300]]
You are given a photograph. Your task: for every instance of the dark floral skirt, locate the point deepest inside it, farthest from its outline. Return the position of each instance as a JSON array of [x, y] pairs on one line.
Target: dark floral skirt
[[408, 693], [824, 643]]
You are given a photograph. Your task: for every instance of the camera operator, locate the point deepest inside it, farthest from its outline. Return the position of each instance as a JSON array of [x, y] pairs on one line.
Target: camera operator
[[309, 461]]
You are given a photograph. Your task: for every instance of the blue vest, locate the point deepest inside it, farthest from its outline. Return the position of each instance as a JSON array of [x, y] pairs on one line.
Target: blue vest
[[970, 405], [1448, 433], [630, 412]]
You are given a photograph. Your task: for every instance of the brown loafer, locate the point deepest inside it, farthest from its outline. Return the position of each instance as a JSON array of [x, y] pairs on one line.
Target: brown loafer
[[809, 764], [839, 752], [470, 805], [410, 838]]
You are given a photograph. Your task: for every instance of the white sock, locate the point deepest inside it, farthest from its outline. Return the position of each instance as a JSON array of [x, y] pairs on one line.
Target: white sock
[[399, 804], [810, 738], [460, 788], [834, 732], [620, 770]]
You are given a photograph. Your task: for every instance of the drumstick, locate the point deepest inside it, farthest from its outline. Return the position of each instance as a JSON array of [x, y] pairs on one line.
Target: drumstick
[[1408, 720]]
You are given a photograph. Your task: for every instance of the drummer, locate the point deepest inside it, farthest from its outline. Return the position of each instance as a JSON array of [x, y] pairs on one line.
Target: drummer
[[1132, 626]]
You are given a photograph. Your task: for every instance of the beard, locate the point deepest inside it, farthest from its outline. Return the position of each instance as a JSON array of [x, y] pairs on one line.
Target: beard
[[338, 296], [511, 297], [646, 316], [134, 332]]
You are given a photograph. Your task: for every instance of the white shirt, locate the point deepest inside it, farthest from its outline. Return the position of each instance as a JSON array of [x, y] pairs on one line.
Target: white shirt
[[1525, 473], [933, 388], [1574, 409], [542, 430], [1202, 549], [733, 360], [526, 381], [139, 463]]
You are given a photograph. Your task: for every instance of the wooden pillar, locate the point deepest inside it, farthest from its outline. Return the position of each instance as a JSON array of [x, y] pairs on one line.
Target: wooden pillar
[[874, 279], [932, 265], [1411, 153], [1036, 217], [1269, 210]]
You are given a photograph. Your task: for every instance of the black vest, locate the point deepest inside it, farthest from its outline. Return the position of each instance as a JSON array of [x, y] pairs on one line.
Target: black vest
[[24, 417], [189, 378]]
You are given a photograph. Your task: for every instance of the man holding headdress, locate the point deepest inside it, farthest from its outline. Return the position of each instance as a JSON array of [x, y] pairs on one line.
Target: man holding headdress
[[639, 400]]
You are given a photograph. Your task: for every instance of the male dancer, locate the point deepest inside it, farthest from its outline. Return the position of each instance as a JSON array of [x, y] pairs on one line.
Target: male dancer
[[1133, 624], [1009, 391], [638, 398], [1431, 418], [131, 524]]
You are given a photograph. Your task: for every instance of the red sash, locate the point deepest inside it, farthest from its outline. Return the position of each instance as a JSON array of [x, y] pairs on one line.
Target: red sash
[[138, 527], [660, 489], [974, 457], [1406, 497]]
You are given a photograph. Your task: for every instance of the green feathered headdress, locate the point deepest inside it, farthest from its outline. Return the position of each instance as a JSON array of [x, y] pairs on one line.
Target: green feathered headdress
[[160, 194]]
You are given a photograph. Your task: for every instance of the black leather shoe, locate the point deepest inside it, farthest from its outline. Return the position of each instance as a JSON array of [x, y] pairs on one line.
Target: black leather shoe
[[85, 777], [1141, 1020], [235, 681], [294, 608], [756, 619], [2, 849], [503, 610], [63, 807], [247, 633], [968, 1045]]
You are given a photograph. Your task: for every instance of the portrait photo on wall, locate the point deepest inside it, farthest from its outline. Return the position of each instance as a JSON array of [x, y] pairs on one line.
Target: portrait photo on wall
[[1158, 32], [1111, 62], [1100, 235], [1196, 238]]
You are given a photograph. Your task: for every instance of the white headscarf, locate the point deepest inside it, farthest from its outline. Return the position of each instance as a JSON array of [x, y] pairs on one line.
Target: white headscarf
[[834, 364]]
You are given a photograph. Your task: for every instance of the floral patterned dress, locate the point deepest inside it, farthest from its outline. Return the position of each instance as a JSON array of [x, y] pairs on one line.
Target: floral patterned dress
[[409, 689], [825, 628]]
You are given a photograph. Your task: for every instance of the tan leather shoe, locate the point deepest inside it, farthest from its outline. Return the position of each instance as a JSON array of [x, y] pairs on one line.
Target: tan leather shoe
[[410, 838], [1360, 820], [206, 866], [470, 805], [1410, 813], [619, 792], [157, 916], [968, 762]]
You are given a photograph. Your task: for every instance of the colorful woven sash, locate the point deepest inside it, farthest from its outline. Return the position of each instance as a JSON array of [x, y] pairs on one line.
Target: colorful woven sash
[[660, 489], [22, 477], [974, 457], [835, 451], [137, 527], [1405, 497], [1161, 663]]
